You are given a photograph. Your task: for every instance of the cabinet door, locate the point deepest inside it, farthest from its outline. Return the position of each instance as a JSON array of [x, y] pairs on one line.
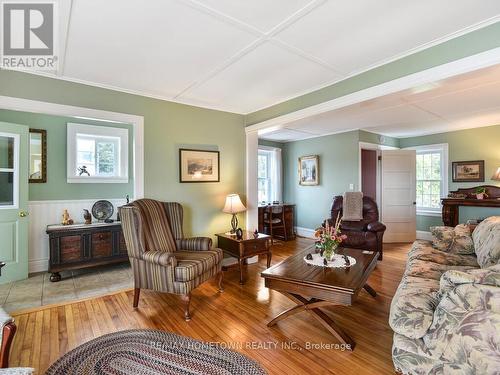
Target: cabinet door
[[122, 246], [102, 245], [70, 249]]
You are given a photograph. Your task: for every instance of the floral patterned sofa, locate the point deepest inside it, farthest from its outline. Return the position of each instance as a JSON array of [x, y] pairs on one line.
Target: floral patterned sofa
[[446, 311]]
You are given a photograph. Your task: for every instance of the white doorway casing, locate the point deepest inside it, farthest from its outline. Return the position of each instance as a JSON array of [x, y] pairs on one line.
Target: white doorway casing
[[43, 213]]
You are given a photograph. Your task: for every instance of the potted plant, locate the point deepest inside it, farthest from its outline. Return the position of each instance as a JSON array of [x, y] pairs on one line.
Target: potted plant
[[481, 192], [329, 238]]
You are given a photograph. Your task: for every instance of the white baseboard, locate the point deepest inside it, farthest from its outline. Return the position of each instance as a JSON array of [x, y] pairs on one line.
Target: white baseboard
[[39, 265], [424, 235], [304, 232]]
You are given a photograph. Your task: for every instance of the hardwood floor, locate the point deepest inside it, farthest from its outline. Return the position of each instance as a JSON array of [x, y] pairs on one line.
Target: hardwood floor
[[236, 317]]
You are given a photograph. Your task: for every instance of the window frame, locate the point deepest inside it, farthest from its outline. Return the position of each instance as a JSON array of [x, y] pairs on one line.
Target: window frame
[[96, 132], [267, 154], [442, 148]]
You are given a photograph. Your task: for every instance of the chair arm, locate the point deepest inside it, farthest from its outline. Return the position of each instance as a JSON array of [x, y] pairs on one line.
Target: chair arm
[[194, 243], [376, 226], [161, 258]]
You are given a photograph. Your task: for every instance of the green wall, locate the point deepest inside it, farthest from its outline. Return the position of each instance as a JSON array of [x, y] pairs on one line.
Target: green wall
[[56, 187], [370, 137], [469, 44], [338, 167], [471, 144], [167, 127]]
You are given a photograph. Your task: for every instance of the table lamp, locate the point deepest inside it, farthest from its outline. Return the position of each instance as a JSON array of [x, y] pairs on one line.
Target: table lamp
[[496, 176], [233, 206]]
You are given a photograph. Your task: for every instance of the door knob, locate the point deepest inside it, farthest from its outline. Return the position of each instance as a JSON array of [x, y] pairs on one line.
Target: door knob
[[23, 213]]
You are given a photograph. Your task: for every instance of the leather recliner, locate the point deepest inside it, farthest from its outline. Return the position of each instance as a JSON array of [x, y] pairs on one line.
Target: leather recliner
[[366, 234]]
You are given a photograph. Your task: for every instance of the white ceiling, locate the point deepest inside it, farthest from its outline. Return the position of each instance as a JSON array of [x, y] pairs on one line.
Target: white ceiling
[[241, 55], [461, 102]]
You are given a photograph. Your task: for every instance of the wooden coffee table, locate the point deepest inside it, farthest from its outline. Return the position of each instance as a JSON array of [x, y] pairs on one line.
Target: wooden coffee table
[[312, 287]]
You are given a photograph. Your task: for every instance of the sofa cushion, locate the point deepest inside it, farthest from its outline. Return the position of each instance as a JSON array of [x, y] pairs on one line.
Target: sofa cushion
[[486, 238], [442, 237], [456, 240], [412, 307], [191, 264], [466, 322], [412, 354], [430, 270], [423, 250]]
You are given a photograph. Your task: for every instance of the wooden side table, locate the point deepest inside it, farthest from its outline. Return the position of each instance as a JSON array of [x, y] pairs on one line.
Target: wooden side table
[[246, 247]]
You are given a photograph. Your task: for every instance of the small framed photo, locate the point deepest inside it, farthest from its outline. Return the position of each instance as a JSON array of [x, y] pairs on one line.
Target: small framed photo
[[198, 165], [309, 170], [468, 171]]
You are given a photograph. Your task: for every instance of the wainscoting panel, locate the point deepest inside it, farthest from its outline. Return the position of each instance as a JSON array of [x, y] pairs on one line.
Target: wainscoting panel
[[43, 213]]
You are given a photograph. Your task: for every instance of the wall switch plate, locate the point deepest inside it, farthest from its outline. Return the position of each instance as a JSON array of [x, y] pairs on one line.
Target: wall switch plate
[[351, 187]]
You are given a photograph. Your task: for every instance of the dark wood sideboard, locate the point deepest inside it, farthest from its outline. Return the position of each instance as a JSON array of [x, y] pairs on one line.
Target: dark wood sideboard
[[451, 206], [289, 222], [84, 245]]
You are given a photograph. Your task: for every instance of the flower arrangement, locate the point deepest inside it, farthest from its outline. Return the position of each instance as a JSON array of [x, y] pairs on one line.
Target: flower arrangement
[[329, 238]]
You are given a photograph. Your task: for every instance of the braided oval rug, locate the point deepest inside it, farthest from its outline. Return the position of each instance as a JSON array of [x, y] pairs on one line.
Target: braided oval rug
[[151, 352]]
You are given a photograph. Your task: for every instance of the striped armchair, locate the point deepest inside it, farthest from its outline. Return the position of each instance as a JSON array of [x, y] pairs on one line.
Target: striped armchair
[[162, 259]]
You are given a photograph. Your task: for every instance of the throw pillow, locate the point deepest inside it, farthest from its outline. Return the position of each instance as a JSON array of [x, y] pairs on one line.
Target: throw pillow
[[462, 241], [486, 238], [442, 238], [456, 240]]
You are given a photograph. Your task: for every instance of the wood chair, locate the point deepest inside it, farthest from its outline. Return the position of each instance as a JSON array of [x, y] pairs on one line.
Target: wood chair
[[7, 336], [274, 218]]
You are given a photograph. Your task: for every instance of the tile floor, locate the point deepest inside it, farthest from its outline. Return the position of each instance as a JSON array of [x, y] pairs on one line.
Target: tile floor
[[38, 290]]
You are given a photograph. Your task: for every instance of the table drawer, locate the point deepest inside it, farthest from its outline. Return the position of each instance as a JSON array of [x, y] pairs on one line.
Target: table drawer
[[254, 247]]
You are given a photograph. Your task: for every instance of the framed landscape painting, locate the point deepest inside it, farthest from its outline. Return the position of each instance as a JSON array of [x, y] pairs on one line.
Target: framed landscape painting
[[468, 171], [198, 165], [309, 170]]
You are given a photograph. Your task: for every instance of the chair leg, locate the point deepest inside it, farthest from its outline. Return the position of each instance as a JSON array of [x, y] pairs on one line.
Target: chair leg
[[9, 330], [137, 292], [186, 299], [220, 279]]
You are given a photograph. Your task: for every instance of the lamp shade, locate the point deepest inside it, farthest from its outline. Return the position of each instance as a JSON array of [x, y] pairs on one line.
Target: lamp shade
[[496, 176], [233, 204]]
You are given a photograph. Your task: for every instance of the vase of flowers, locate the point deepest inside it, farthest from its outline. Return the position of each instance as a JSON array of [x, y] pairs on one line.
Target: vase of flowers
[[329, 238]]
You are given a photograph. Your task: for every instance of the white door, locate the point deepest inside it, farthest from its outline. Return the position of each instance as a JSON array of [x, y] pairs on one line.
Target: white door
[[399, 195]]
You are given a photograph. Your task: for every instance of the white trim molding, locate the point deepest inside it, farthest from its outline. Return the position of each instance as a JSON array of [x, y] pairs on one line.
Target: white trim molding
[[424, 235], [35, 106], [437, 73], [304, 232]]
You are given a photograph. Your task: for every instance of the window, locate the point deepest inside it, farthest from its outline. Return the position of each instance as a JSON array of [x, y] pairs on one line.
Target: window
[[432, 178], [97, 154], [269, 174]]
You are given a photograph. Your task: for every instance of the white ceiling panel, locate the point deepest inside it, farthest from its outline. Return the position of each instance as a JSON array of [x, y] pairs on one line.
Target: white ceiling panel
[[160, 48], [261, 14], [268, 74], [380, 30], [462, 102], [286, 135]]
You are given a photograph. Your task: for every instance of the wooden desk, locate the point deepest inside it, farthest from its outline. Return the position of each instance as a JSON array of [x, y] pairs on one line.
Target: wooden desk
[[451, 206], [289, 221], [246, 247]]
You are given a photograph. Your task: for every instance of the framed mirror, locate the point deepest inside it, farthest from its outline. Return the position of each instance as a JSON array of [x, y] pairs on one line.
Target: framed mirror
[[38, 156]]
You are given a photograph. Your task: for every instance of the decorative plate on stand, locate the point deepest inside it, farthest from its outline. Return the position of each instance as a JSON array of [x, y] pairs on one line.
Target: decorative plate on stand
[[102, 210]]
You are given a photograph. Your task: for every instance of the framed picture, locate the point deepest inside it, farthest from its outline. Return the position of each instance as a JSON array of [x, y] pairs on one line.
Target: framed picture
[[198, 165], [309, 170], [468, 171]]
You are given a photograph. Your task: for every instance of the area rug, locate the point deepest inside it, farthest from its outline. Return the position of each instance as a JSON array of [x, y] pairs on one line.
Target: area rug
[[141, 352]]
